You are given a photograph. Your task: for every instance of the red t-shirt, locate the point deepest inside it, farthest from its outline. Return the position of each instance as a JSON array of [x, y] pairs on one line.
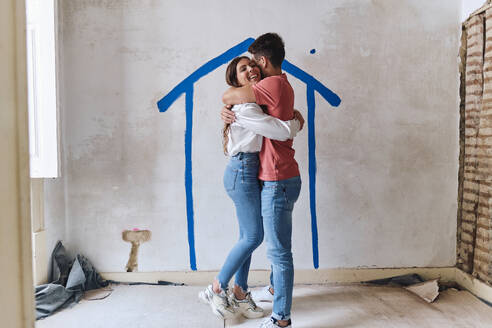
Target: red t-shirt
[[276, 157]]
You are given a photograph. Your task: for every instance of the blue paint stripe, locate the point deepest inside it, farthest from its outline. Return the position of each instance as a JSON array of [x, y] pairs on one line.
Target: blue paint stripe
[[188, 177], [311, 82], [312, 172], [206, 68]]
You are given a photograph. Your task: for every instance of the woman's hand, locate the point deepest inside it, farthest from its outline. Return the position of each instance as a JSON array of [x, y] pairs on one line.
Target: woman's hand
[[298, 116]]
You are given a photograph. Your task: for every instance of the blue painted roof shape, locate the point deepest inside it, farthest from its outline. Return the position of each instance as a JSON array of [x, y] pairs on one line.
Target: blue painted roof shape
[[187, 87], [227, 56]]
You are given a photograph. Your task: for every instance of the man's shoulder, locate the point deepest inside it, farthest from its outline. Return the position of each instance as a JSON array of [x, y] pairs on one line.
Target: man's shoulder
[[271, 80], [270, 91], [274, 82]]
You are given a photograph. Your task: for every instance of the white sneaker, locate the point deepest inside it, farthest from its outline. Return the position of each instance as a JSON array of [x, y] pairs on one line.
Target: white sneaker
[[263, 295], [218, 302], [247, 307], [271, 323]]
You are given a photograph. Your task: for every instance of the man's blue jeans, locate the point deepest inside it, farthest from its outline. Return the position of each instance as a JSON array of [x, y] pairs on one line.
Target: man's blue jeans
[[242, 185], [277, 203]]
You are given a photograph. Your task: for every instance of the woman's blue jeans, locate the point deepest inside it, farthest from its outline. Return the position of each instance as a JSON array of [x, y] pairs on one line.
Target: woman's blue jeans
[[242, 185], [277, 200]]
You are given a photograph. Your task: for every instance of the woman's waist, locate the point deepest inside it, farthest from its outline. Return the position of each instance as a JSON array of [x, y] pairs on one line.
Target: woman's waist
[[254, 155], [245, 161]]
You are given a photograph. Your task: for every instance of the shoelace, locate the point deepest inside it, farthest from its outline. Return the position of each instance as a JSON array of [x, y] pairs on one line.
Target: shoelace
[[270, 323], [233, 301], [225, 299], [250, 300], [267, 324]]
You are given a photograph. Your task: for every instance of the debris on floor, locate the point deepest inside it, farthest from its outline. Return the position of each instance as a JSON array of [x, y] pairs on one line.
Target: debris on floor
[[97, 294], [427, 290], [70, 279], [403, 280], [137, 283]]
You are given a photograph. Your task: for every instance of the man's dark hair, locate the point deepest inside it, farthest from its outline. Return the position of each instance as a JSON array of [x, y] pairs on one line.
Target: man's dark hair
[[271, 46]]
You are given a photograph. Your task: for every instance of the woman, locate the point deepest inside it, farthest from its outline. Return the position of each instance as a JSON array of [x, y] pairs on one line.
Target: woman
[[242, 142]]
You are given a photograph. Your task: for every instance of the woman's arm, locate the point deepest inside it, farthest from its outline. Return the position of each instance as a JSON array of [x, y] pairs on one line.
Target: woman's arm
[[234, 96], [251, 117]]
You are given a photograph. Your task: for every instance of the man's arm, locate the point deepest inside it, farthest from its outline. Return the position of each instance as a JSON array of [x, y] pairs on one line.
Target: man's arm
[[227, 115], [234, 96]]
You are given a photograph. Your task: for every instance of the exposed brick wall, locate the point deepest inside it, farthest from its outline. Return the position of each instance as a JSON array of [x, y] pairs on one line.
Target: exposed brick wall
[[475, 193]]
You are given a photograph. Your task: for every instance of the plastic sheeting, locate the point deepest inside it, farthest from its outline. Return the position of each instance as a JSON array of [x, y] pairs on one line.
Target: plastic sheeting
[[69, 280]]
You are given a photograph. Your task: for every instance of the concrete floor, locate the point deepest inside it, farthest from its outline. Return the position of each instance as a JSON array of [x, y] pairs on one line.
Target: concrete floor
[[314, 306]]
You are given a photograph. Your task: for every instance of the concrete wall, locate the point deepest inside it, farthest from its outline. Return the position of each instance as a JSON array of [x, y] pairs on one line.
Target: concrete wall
[[387, 157], [55, 214]]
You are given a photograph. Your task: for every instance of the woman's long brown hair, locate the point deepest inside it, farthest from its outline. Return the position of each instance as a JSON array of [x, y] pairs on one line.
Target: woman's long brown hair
[[231, 79]]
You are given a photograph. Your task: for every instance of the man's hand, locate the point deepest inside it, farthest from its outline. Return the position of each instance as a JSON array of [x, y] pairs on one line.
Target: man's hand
[[298, 116], [227, 115]]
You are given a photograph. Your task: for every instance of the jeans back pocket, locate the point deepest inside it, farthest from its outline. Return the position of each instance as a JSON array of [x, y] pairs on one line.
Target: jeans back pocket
[[291, 193], [230, 177]]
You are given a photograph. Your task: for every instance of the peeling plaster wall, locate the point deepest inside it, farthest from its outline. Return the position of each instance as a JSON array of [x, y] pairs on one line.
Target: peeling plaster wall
[[474, 247], [469, 6], [387, 157]]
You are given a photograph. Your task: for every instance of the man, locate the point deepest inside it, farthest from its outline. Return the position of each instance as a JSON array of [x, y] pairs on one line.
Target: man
[[278, 172]]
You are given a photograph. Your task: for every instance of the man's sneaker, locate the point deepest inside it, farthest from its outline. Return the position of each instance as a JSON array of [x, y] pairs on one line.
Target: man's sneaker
[[272, 323], [247, 307], [218, 302], [263, 295]]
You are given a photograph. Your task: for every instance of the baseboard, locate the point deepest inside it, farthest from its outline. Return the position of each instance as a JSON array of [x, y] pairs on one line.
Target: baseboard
[[474, 286], [261, 277]]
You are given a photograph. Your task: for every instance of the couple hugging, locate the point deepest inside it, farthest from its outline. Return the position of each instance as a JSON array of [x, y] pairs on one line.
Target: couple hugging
[[262, 178]]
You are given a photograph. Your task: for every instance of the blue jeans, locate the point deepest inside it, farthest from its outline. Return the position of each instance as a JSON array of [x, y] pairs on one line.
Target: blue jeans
[[242, 185], [277, 203]]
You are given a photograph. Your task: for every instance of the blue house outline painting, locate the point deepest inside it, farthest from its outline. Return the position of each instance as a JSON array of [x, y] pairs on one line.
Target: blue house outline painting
[[187, 85]]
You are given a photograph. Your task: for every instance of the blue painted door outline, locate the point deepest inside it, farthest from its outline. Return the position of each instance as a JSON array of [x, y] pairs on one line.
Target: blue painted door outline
[[187, 87]]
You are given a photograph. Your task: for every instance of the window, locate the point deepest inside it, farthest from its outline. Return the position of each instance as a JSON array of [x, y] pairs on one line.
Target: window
[[41, 79]]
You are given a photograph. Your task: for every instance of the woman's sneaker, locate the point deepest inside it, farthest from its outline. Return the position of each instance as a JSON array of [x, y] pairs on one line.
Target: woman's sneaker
[[219, 303], [272, 323], [263, 295], [247, 307]]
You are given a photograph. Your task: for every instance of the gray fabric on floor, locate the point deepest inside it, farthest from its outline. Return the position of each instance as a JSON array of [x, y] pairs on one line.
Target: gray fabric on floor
[[403, 280], [69, 281]]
